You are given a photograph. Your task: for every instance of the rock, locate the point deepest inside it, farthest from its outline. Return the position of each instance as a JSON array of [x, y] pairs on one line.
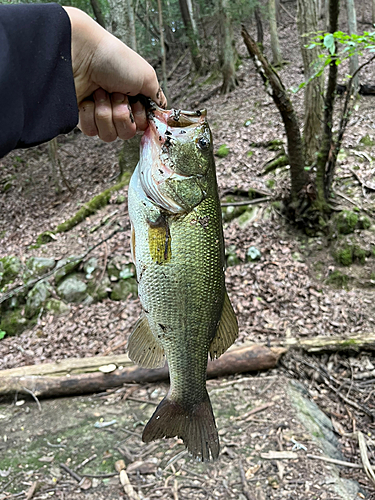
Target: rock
[[13, 322], [36, 299], [231, 256], [99, 291], [73, 288], [118, 269], [10, 267], [66, 266], [247, 217], [40, 265], [320, 427], [253, 254], [123, 288], [298, 257], [90, 266], [57, 307]]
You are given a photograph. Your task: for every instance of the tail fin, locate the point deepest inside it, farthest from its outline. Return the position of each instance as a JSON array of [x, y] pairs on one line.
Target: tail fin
[[195, 426]]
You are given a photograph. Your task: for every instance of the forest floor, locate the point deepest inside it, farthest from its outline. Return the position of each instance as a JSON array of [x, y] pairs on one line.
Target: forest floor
[[285, 293]]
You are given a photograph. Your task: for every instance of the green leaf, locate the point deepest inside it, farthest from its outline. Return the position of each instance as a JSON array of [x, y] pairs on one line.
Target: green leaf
[[2, 334], [329, 43]]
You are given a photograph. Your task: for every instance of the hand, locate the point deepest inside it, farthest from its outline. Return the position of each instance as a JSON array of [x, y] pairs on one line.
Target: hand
[[105, 72]]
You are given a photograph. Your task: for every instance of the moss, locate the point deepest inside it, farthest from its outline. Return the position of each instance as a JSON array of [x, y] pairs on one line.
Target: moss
[[367, 141], [359, 254], [57, 307], [223, 151], [10, 267], [338, 279], [232, 212], [346, 222], [92, 206], [13, 322], [364, 222], [212, 78], [344, 256], [66, 266], [250, 153], [45, 237], [270, 183]]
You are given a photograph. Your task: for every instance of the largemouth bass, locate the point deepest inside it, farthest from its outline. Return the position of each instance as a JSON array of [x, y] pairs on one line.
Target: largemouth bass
[[178, 250]]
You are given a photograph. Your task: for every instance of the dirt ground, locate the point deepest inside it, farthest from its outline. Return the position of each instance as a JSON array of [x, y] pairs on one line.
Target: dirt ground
[[283, 294], [256, 417]]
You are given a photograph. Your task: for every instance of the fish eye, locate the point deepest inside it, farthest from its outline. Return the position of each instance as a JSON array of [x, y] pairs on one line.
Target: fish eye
[[203, 143]]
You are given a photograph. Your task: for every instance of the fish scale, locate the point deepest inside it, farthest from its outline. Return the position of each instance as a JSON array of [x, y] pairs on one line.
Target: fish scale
[[178, 250]]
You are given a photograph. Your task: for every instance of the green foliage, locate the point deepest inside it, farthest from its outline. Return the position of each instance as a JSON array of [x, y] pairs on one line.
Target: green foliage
[[346, 222], [367, 141], [338, 47], [338, 279], [223, 151], [2, 334]]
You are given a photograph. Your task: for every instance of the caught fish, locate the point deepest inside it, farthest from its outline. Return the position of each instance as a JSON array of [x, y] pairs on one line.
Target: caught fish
[[178, 250]]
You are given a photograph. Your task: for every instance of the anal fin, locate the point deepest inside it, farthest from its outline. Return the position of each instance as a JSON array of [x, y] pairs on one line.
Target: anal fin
[[143, 348], [227, 331]]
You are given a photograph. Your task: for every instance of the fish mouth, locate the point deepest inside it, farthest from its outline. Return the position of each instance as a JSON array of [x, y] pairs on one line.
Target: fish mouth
[[167, 124], [156, 163]]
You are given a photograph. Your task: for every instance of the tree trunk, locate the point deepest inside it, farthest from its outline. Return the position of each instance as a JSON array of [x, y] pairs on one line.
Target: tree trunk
[[99, 16], [352, 24], [187, 14], [162, 50], [275, 46], [132, 33], [258, 20], [285, 107], [120, 21], [307, 23], [227, 49], [322, 186]]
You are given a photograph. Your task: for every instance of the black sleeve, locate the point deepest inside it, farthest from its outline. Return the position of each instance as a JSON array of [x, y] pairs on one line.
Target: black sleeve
[[37, 93]]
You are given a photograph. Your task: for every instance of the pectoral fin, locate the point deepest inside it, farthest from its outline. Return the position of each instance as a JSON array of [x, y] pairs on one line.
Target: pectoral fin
[[227, 331], [143, 348]]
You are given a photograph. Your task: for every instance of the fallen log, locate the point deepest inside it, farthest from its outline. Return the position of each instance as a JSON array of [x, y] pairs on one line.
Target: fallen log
[[326, 344], [88, 375]]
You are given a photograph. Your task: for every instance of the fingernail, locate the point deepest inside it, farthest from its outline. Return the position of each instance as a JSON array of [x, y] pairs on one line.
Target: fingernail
[[100, 95], [131, 114], [118, 98]]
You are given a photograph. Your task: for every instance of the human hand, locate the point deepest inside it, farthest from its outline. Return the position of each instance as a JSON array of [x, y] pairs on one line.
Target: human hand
[[105, 72]]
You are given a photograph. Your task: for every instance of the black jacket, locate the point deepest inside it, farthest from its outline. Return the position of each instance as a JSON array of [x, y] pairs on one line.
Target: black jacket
[[37, 94]]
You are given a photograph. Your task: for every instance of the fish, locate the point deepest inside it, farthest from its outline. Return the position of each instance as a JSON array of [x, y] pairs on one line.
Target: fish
[[177, 247]]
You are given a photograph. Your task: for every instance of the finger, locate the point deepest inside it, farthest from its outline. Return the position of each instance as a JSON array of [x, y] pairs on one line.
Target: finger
[[139, 114], [103, 116], [151, 88], [87, 118], [122, 116]]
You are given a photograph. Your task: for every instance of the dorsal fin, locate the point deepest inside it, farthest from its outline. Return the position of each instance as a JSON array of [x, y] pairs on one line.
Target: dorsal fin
[[227, 331], [143, 348]]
